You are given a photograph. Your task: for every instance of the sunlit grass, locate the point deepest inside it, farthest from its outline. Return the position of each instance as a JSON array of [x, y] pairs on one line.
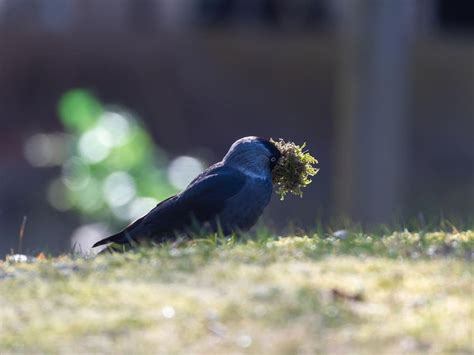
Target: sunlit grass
[[404, 292]]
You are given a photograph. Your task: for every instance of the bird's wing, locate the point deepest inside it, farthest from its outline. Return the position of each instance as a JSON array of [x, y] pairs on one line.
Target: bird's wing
[[202, 201]]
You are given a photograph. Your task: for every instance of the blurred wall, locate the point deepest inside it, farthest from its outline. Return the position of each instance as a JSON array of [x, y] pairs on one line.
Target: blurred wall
[[204, 73]]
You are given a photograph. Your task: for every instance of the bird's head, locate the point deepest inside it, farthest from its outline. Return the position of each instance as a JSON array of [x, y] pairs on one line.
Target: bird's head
[[253, 156]]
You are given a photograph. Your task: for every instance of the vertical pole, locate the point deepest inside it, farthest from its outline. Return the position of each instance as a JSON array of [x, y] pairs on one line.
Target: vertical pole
[[372, 108]]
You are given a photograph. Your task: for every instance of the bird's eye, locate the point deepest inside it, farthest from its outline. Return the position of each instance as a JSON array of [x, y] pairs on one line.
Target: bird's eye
[[273, 159]]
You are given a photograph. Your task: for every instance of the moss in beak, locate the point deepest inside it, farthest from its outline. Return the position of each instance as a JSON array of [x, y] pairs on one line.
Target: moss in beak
[[294, 169]]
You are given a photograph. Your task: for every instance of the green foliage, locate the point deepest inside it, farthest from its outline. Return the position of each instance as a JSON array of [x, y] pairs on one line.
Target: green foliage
[[79, 110], [112, 170], [294, 169]]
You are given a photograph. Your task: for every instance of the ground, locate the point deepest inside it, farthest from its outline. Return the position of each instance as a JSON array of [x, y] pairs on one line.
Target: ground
[[350, 293]]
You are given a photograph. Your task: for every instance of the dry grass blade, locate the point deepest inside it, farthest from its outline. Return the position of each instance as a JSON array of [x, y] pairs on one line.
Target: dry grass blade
[[21, 235]]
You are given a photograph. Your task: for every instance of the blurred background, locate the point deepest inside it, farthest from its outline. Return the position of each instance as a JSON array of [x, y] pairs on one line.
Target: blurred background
[[109, 106]]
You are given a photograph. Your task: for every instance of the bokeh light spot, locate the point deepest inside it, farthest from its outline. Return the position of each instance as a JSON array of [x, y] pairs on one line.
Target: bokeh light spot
[[140, 206], [122, 213], [168, 312], [42, 150], [119, 189], [117, 125], [85, 236], [89, 197], [75, 174], [183, 170], [94, 145], [244, 341], [57, 196]]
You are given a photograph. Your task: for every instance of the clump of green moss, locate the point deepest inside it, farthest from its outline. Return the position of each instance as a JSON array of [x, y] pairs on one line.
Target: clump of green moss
[[294, 169]]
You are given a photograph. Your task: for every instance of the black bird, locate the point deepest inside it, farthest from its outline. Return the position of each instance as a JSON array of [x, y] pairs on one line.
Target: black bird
[[228, 196]]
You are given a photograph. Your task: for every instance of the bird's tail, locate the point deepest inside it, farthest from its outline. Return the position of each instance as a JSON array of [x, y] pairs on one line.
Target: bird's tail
[[123, 237], [119, 238]]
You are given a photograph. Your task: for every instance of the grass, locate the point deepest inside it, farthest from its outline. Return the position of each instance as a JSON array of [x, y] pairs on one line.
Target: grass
[[398, 293]]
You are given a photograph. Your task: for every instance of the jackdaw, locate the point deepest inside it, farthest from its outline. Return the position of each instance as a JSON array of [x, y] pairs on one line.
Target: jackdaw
[[229, 196]]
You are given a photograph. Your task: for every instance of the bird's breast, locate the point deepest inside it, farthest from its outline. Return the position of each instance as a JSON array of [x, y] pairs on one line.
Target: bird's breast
[[243, 210]]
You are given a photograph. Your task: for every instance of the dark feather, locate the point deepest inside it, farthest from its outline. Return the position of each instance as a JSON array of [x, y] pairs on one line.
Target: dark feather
[[120, 237], [202, 201]]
